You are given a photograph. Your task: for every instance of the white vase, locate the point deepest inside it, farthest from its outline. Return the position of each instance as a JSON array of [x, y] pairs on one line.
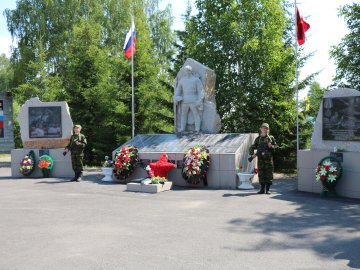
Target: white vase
[[245, 180], [108, 174]]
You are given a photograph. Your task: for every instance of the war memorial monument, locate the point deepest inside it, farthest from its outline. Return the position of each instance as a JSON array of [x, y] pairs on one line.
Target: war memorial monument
[[196, 122]]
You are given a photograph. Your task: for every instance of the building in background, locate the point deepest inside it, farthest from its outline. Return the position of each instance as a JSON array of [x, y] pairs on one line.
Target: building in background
[[6, 122]]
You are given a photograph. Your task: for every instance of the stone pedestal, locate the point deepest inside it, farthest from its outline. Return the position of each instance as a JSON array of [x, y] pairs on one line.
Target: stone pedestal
[[42, 122], [227, 151], [349, 184], [62, 164]]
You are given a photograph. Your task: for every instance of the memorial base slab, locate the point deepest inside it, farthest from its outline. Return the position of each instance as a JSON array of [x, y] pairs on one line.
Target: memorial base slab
[[348, 185], [149, 188], [227, 152]]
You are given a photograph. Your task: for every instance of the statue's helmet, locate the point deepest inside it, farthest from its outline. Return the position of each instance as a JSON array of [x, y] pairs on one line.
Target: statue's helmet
[[188, 68]]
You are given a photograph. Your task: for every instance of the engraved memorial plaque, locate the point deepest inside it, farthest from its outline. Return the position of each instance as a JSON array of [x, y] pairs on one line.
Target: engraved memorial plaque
[[45, 122], [341, 119]]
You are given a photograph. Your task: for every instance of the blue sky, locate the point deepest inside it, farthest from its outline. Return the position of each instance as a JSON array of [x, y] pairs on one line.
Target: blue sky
[[326, 30]]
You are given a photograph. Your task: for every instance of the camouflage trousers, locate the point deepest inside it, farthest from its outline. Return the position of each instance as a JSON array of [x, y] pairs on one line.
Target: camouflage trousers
[[265, 170], [77, 161]]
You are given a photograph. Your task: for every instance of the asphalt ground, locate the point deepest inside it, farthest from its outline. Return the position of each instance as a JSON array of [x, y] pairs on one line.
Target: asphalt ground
[[55, 224]]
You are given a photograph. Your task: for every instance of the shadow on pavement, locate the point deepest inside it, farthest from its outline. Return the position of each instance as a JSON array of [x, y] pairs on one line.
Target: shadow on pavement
[[329, 227]]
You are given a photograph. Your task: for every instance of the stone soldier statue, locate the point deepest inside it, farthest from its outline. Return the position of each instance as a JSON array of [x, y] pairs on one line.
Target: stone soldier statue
[[264, 144], [189, 94], [76, 147]]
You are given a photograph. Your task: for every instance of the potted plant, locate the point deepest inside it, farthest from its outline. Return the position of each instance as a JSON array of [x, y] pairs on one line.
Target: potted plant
[[107, 169], [245, 177]]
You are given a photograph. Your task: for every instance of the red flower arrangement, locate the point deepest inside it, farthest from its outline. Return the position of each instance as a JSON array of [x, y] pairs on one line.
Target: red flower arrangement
[[195, 165], [125, 162]]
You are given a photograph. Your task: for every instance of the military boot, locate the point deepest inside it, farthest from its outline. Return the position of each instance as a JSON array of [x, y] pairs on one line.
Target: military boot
[[78, 176], [268, 188], [74, 178], [262, 189]]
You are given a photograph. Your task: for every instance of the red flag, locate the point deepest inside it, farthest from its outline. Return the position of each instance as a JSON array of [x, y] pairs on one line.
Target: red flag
[[301, 28]]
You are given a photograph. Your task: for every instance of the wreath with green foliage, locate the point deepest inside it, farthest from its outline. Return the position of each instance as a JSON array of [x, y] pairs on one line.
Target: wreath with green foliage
[[328, 172], [46, 164], [125, 162], [27, 164], [195, 165]]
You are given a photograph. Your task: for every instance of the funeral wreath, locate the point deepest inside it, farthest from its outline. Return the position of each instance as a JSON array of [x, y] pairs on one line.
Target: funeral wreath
[[125, 161], [328, 172], [46, 164], [195, 165], [27, 164]]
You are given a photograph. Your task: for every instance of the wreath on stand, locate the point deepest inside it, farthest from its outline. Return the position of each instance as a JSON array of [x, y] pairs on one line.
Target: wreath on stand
[[328, 172], [195, 165], [125, 162], [46, 164], [27, 164]]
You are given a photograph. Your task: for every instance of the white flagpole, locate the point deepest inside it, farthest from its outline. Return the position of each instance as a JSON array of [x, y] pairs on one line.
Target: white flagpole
[[297, 84], [132, 82]]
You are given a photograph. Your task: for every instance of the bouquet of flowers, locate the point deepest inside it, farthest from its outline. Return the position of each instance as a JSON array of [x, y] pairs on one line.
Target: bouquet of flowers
[[328, 171], [157, 180], [108, 163], [240, 168], [125, 162], [195, 165], [27, 164], [149, 171], [46, 164]]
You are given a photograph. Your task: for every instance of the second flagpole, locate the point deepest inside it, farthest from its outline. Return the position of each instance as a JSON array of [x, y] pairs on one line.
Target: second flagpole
[[132, 81], [296, 85]]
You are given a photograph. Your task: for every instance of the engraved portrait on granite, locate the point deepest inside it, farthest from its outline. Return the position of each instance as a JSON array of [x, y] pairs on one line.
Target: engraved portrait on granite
[[45, 122], [341, 119]]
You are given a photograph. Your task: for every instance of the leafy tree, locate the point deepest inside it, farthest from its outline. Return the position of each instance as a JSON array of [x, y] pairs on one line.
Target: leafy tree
[[6, 74], [309, 110], [347, 53], [247, 44], [72, 50]]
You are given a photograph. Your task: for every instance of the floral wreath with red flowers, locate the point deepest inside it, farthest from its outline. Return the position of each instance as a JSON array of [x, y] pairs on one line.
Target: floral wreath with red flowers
[[328, 172], [195, 165], [125, 162]]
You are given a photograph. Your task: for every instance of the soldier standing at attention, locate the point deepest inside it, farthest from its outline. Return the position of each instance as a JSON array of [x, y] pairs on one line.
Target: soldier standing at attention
[[76, 147], [264, 144]]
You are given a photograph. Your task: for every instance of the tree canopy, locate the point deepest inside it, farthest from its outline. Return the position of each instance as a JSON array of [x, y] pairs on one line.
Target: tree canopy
[[72, 50], [347, 53]]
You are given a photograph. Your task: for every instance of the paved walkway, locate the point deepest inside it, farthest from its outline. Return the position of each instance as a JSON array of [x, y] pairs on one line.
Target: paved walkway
[[54, 224]]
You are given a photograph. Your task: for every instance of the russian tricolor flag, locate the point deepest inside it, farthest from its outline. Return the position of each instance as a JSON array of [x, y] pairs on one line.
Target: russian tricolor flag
[[130, 41]]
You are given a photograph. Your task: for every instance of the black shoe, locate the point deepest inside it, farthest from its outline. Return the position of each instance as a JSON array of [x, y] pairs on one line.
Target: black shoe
[[76, 178], [267, 189], [262, 189]]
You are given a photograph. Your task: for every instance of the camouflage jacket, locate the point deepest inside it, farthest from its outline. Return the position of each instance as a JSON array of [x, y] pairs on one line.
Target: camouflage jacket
[[261, 145], [77, 148]]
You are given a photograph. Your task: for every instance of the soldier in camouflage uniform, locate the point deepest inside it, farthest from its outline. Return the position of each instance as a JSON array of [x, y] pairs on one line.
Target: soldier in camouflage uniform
[[264, 144], [76, 147]]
